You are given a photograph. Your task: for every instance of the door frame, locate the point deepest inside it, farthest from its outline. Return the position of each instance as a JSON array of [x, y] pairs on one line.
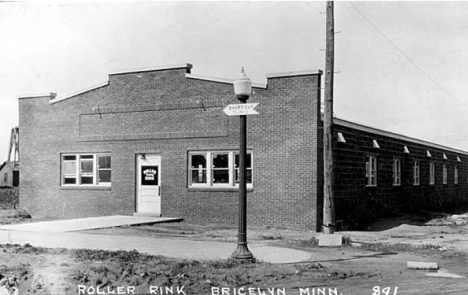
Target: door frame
[[138, 179]]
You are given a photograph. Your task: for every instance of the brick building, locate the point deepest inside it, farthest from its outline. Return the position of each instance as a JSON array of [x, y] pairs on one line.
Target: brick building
[[156, 141]]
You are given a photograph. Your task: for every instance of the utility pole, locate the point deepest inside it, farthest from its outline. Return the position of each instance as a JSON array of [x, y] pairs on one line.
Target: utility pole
[[328, 205]]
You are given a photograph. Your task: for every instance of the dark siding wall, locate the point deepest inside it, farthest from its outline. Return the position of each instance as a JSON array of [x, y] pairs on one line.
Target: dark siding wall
[[165, 113], [357, 204]]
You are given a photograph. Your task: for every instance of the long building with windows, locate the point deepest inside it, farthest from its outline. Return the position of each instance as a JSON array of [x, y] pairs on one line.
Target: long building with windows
[[157, 142]]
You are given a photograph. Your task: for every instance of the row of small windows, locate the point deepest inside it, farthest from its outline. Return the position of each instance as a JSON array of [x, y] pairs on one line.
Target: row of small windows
[[86, 169], [375, 144], [371, 172], [217, 169]]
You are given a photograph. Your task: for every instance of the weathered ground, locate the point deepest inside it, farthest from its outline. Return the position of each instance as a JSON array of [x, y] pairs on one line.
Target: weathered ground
[[369, 262]]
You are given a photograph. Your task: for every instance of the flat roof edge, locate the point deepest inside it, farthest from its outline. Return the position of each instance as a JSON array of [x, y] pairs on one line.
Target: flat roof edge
[[222, 80], [159, 68], [295, 73], [395, 135], [39, 95], [70, 95]]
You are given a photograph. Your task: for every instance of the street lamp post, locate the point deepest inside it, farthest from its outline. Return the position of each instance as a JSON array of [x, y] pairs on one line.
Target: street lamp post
[[242, 89]]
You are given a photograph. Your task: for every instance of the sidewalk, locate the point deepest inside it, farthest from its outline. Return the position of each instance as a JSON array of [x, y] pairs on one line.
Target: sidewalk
[[176, 248], [68, 225]]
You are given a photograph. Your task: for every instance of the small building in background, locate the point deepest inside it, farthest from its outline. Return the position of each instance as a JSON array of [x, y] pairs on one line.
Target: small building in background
[[9, 174]]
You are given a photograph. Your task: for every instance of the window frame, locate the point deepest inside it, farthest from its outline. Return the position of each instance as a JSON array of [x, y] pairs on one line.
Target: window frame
[[210, 183], [99, 169], [79, 174], [191, 169], [396, 172], [371, 171], [431, 173], [416, 173], [444, 174]]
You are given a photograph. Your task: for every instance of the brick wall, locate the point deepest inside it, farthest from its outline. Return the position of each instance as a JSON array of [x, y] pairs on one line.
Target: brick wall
[[165, 113], [357, 203]]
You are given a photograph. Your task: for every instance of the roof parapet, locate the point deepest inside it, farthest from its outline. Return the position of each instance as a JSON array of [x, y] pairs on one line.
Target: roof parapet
[[222, 80], [72, 94], [295, 73], [51, 95], [186, 66], [54, 98]]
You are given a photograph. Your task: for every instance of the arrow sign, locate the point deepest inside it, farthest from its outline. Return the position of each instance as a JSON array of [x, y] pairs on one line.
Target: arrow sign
[[241, 109]]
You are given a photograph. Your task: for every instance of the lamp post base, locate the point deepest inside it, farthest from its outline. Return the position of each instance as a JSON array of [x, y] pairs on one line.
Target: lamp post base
[[242, 253]]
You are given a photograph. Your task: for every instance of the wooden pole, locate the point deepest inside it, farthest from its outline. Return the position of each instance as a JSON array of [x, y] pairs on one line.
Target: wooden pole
[[328, 205], [12, 142]]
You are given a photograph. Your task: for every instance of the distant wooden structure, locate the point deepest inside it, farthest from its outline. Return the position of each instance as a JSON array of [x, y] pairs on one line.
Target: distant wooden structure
[[14, 146]]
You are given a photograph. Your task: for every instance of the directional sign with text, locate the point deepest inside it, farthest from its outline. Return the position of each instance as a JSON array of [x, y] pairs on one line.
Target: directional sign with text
[[241, 109]]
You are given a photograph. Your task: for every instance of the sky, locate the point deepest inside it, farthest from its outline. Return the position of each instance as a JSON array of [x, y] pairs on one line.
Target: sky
[[400, 66]]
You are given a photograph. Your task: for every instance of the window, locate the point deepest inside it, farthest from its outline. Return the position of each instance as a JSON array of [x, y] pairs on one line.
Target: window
[[416, 173], [86, 169], [104, 168], [217, 169], [371, 171], [396, 172], [341, 137], [431, 173], [5, 178], [15, 178], [248, 168], [455, 175], [198, 169], [444, 174]]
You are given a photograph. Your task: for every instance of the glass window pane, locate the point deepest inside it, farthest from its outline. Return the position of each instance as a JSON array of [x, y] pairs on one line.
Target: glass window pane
[[198, 161], [198, 176], [220, 161], [248, 178], [69, 180], [220, 176], [248, 161], [104, 176], [87, 180], [86, 166], [86, 157], [69, 158], [104, 162], [69, 168]]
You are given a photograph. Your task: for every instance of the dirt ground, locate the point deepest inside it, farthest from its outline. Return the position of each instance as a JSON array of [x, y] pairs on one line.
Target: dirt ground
[[371, 262]]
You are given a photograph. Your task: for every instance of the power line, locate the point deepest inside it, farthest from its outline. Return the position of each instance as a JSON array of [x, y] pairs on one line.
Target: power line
[[404, 54]]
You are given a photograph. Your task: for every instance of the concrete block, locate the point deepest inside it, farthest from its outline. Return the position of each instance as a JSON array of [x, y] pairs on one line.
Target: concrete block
[[422, 265], [330, 240], [442, 273]]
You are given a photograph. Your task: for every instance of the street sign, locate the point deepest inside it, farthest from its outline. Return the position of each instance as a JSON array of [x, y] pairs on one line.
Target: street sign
[[241, 109]]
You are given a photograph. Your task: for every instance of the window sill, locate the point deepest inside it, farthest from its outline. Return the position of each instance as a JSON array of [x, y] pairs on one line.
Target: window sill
[[216, 189], [88, 188]]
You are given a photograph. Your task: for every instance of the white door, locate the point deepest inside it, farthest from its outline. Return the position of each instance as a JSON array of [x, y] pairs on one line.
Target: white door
[[149, 184]]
